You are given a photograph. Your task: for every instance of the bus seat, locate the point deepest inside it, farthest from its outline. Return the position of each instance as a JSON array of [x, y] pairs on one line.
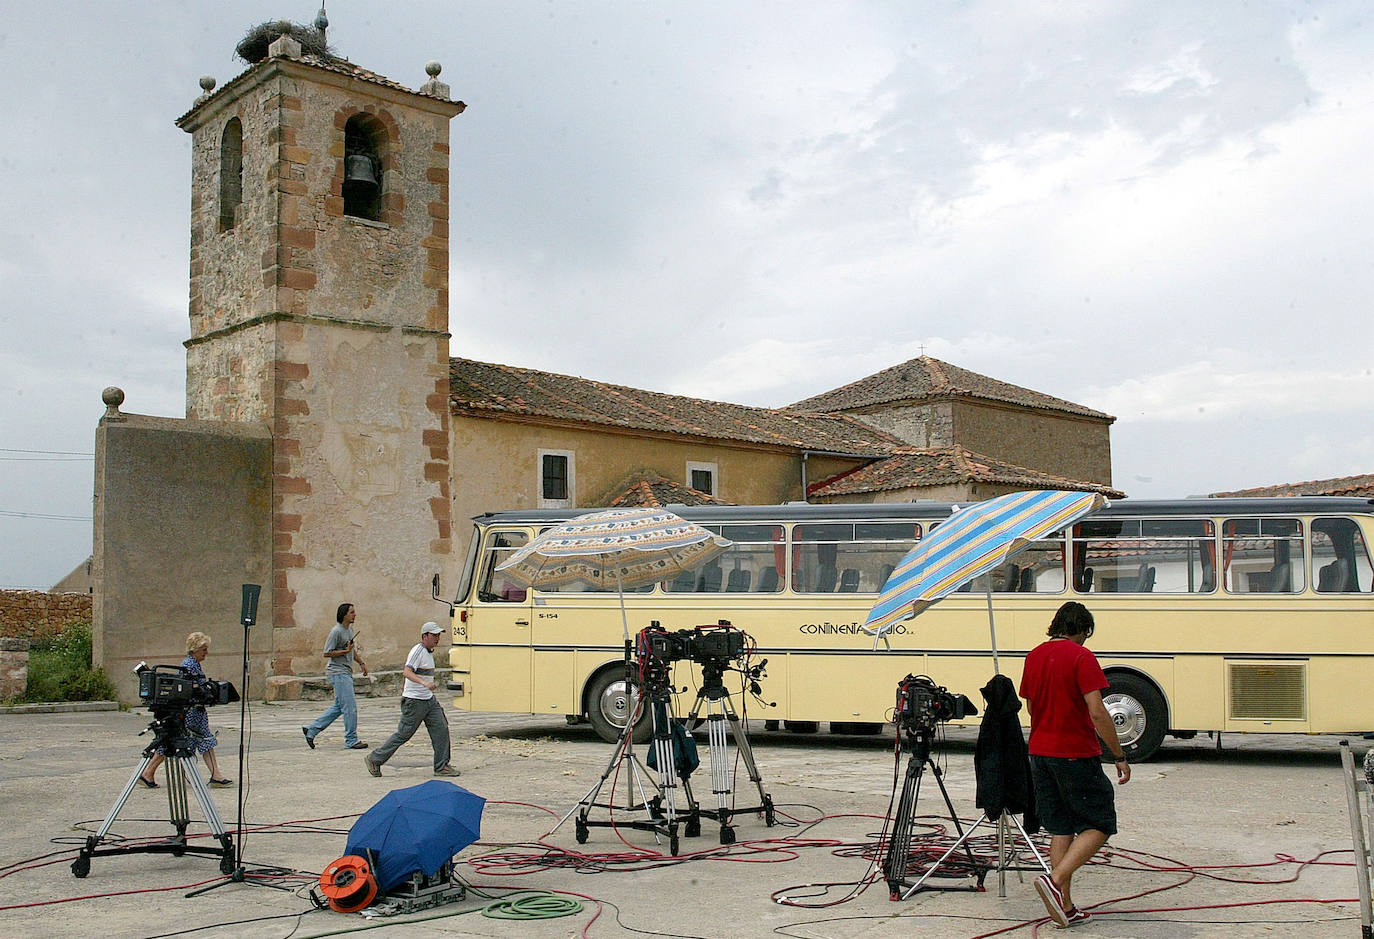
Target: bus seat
[[1335, 577], [849, 580], [1011, 581], [1280, 579], [1085, 580], [684, 582], [1027, 582], [768, 580], [709, 579], [738, 581], [825, 579], [884, 574], [1145, 580]]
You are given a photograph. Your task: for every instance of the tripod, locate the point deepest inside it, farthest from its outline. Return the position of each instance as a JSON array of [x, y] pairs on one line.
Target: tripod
[[917, 739], [720, 713], [172, 740], [662, 807]]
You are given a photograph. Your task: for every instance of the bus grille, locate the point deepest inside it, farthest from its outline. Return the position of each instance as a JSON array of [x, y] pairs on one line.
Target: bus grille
[[1268, 691]]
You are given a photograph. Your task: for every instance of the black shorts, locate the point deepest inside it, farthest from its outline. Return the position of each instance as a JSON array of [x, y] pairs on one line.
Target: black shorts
[[1073, 795]]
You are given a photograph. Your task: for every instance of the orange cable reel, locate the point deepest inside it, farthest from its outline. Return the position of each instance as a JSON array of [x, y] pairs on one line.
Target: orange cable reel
[[349, 884]]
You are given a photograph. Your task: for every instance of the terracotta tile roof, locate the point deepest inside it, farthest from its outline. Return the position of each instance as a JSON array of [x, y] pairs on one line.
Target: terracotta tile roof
[[651, 490], [925, 378], [488, 389], [333, 64], [1362, 485], [909, 467]]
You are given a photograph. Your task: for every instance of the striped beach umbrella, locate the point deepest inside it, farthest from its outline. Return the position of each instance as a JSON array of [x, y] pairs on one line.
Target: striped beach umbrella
[[615, 549], [975, 539]]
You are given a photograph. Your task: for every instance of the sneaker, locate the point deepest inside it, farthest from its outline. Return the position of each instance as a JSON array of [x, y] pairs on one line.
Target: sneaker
[[356, 746], [309, 740], [1076, 916], [446, 770], [1053, 900], [374, 768]]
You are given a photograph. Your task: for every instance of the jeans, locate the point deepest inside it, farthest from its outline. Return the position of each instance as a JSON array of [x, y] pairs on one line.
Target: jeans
[[415, 711], [344, 703]]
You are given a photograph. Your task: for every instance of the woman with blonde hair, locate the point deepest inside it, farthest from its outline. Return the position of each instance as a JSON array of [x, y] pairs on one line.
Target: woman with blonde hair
[[197, 720]]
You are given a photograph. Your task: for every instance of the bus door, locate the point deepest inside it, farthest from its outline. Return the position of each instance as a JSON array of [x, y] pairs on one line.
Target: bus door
[[498, 626]]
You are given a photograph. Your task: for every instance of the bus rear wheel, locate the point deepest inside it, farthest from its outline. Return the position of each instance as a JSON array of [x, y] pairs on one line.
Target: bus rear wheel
[[609, 704], [1138, 712]]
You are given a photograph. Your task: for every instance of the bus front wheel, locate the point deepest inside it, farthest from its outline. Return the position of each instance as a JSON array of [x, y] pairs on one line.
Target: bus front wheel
[[1138, 712], [610, 701]]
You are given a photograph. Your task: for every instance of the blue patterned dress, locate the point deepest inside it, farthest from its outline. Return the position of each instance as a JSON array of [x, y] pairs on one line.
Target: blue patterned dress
[[197, 721]]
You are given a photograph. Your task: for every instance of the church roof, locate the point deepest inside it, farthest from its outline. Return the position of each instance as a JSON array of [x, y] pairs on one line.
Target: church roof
[[1362, 485], [489, 389], [911, 467], [924, 378]]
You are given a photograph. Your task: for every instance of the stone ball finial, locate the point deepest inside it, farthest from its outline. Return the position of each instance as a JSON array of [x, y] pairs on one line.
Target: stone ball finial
[[207, 85], [113, 398], [433, 68]]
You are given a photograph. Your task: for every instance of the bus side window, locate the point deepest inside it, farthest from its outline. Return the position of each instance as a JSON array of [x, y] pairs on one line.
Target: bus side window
[[495, 586], [1340, 557], [1263, 555]]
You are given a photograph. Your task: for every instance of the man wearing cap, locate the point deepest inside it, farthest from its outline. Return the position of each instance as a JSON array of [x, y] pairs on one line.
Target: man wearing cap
[[418, 705]]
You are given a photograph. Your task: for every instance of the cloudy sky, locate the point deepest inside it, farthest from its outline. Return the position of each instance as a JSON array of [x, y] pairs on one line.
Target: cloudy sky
[[1157, 209]]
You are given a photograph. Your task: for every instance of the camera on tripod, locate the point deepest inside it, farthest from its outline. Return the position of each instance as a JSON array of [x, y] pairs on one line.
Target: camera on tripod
[[922, 704], [170, 687], [702, 645]]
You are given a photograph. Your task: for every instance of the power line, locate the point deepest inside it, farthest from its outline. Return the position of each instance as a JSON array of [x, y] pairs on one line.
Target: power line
[[60, 518], [48, 452]]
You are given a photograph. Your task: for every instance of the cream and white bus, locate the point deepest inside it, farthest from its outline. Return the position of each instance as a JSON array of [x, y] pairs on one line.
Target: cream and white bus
[[1236, 615]]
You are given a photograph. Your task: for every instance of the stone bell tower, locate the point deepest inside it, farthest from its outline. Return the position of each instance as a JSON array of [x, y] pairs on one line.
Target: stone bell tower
[[319, 309]]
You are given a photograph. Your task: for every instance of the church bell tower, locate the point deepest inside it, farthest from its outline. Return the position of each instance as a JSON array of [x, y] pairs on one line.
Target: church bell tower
[[319, 309]]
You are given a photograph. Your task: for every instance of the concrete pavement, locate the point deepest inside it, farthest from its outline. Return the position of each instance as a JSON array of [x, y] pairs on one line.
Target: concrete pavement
[[1259, 798]]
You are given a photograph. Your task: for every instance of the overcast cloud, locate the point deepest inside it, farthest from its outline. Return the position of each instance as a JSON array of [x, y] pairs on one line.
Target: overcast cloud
[[1159, 210]]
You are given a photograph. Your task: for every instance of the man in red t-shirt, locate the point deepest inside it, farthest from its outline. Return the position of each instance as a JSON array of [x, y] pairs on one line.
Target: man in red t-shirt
[[1062, 684]]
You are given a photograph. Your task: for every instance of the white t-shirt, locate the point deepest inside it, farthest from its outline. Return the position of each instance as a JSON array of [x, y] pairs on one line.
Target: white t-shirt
[[421, 662]]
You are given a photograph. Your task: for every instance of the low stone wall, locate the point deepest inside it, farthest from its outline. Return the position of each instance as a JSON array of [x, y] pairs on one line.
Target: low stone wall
[[14, 668], [37, 614], [384, 684]]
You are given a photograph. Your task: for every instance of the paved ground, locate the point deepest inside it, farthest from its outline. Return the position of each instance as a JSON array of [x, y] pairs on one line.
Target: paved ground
[[1256, 801]]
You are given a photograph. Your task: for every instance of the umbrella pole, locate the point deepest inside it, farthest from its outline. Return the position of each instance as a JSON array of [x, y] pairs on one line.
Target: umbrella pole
[[624, 620], [992, 631]]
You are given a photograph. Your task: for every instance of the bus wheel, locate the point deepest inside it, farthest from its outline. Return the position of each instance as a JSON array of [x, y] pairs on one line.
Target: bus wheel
[[1138, 712], [609, 703]]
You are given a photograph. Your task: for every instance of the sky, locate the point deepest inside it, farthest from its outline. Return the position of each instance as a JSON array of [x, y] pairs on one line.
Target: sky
[[1156, 209]]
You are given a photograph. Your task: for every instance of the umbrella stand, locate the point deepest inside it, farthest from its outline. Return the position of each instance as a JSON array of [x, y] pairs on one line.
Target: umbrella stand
[[992, 630]]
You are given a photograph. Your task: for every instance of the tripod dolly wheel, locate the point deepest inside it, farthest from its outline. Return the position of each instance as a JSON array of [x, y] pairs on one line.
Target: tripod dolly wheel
[[81, 866], [581, 830], [226, 865], [727, 834], [770, 817], [672, 844], [692, 827]]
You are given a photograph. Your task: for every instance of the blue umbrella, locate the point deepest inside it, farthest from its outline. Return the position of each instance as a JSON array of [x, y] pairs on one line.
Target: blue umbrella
[[416, 829], [974, 540]]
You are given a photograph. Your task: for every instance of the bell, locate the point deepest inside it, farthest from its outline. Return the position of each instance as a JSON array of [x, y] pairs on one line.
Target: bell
[[359, 172]]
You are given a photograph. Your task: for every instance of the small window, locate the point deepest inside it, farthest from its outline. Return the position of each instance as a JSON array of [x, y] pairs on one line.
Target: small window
[[702, 477], [556, 483], [752, 563], [495, 586], [1263, 555], [230, 173]]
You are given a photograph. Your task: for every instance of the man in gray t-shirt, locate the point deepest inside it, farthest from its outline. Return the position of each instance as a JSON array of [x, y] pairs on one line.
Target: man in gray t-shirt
[[341, 650]]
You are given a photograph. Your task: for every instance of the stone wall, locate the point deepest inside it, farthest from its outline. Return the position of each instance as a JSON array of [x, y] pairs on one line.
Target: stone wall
[[14, 667], [36, 614]]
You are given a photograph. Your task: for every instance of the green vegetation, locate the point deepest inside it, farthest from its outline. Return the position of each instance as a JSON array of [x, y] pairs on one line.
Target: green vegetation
[[60, 669]]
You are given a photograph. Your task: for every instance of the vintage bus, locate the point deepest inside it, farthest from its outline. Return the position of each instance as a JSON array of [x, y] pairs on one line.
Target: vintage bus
[[1236, 615]]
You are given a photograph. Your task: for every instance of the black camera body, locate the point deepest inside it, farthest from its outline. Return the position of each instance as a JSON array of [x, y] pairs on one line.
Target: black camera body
[[171, 687], [922, 704], [703, 644]]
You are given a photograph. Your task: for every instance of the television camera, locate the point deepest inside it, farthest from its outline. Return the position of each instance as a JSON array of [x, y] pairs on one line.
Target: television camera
[[922, 704], [703, 645], [170, 688]]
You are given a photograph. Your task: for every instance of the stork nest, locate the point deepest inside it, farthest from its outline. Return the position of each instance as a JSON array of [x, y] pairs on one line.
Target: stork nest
[[252, 48]]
